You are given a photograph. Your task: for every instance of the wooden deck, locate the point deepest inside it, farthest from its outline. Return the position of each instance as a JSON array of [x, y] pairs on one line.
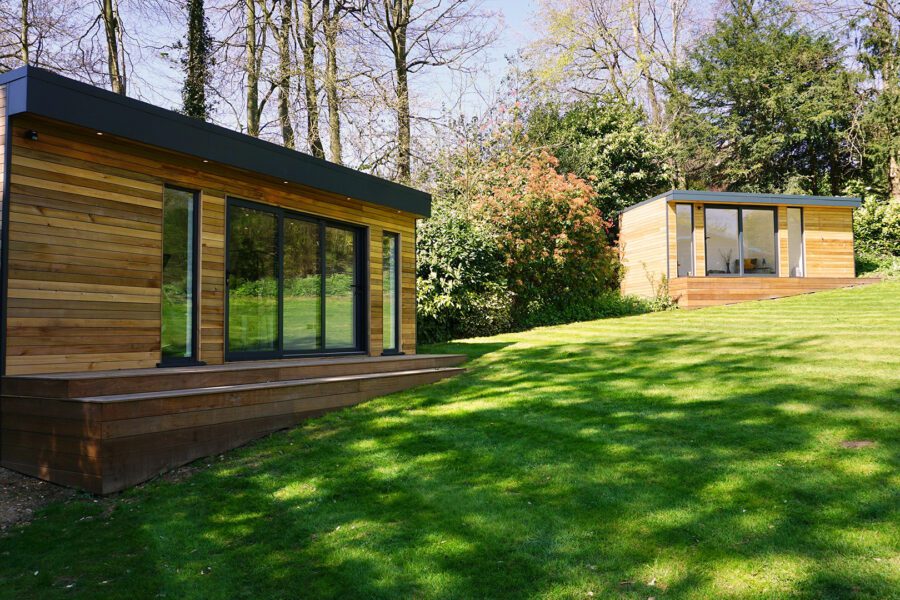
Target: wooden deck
[[697, 292], [105, 431]]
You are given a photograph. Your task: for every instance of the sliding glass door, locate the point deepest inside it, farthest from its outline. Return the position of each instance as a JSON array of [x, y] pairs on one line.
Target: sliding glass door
[[295, 284], [252, 281], [741, 241]]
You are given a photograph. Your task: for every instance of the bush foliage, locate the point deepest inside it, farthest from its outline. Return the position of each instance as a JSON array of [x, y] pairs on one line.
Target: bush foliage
[[513, 243]]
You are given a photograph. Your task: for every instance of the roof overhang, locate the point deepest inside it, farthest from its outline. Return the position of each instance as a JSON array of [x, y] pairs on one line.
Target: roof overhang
[[38, 92], [751, 198]]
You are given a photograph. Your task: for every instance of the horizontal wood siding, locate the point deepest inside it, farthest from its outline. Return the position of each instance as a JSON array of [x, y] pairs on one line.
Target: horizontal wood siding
[[698, 292], [828, 236], [85, 260], [642, 248]]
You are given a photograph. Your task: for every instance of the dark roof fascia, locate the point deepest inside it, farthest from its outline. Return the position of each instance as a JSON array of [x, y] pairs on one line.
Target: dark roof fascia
[[39, 92], [751, 198]]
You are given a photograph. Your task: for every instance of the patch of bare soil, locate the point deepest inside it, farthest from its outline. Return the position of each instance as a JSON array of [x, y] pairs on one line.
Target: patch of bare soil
[[21, 496], [853, 444]]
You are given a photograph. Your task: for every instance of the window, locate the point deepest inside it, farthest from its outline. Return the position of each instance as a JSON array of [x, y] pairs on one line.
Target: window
[[741, 241], [390, 307], [179, 283], [684, 235], [294, 284], [795, 241], [758, 239]]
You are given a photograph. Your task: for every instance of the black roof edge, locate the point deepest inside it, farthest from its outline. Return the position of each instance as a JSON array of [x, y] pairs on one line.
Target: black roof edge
[[40, 92], [750, 198]]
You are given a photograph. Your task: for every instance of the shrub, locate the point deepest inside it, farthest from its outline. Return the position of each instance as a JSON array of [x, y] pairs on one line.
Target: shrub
[[876, 227], [553, 239], [461, 282]]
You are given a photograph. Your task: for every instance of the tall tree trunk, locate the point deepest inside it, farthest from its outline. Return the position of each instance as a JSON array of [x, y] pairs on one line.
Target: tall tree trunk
[[894, 176], [397, 18], [308, 44], [331, 19], [284, 74], [196, 64], [252, 69], [113, 28], [634, 10], [24, 34]]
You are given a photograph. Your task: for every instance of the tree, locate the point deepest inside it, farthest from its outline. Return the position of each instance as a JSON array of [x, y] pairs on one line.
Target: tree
[[115, 46], [607, 143], [623, 48], [880, 56], [253, 66], [764, 105], [285, 70], [417, 36], [306, 39], [196, 63], [331, 23]]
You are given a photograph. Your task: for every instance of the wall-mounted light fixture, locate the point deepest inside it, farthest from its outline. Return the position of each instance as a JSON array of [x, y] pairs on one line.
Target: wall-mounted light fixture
[[32, 135]]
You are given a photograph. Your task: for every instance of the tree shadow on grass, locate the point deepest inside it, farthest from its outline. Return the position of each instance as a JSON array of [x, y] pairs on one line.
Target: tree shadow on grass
[[677, 465]]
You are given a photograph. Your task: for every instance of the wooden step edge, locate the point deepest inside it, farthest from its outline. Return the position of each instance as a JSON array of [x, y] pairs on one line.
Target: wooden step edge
[[163, 394]]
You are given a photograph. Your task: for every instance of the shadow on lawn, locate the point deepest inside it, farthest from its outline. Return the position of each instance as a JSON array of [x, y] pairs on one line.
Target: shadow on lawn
[[553, 470]]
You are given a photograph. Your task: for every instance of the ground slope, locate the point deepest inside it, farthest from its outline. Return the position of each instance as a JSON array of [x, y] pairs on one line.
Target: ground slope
[[748, 451]]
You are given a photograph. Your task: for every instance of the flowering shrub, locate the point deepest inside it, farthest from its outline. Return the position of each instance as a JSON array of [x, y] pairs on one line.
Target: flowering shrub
[[552, 237]]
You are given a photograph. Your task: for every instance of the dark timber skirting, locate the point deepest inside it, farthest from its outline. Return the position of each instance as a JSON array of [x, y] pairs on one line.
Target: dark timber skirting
[[106, 431]]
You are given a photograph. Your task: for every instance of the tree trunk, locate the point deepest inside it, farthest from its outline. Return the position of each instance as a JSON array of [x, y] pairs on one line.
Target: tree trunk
[[284, 75], [308, 44], [332, 23], [196, 65], [634, 10], [113, 29], [24, 24], [398, 21], [252, 69], [894, 177]]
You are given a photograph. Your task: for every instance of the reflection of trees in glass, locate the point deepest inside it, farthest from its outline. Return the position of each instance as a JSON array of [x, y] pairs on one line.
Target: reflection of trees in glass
[[252, 250], [389, 292], [177, 276]]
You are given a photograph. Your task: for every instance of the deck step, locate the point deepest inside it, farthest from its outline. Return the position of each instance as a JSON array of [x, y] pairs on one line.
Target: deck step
[[128, 381], [105, 443]]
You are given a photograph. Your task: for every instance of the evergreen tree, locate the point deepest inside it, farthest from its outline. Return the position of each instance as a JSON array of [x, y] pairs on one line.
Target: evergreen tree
[[880, 56], [197, 62], [764, 105], [607, 143]]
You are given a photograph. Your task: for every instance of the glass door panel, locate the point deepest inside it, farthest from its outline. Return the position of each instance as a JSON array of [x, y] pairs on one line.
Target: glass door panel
[[758, 238], [795, 241], [178, 276], [340, 288], [302, 300], [684, 237], [722, 248], [252, 280]]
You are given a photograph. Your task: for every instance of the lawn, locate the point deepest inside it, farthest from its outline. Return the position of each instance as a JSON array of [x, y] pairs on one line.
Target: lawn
[[673, 455]]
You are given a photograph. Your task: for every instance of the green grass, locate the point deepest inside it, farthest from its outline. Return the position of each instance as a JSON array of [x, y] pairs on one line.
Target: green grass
[[299, 312], [671, 455]]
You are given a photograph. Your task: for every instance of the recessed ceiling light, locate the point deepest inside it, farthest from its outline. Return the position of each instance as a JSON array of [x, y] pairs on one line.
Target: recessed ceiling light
[[284, 182], [99, 133], [206, 161]]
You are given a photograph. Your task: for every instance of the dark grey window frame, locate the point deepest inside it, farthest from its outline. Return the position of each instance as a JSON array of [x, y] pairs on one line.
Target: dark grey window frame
[[740, 240], [360, 284], [192, 360]]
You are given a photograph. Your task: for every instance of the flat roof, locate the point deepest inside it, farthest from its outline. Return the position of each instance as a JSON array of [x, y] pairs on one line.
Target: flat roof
[[39, 92], [751, 198]]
